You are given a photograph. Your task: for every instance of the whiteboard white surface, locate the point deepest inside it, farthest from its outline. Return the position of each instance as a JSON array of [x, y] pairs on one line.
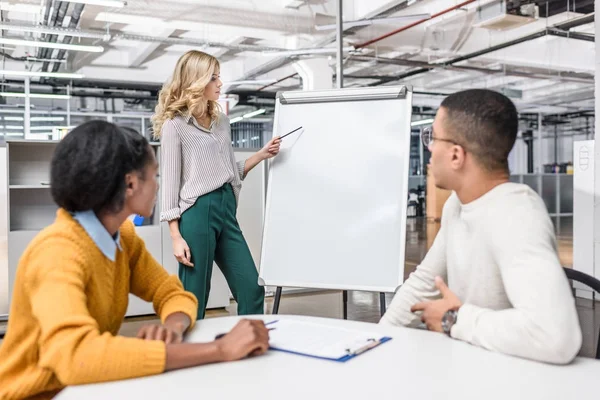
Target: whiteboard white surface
[[251, 204], [335, 215]]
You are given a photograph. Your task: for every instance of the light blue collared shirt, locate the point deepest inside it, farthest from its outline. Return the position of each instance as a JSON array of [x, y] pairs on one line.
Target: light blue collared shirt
[[107, 244]]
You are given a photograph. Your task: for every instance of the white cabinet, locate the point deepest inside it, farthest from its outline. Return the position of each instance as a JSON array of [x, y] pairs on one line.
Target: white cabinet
[[30, 208]]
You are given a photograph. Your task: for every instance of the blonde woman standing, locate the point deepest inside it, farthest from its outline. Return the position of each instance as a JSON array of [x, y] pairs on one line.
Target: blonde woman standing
[[201, 183]]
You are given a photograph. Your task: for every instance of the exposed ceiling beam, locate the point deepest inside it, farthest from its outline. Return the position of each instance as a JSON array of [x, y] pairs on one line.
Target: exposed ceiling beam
[[138, 55]]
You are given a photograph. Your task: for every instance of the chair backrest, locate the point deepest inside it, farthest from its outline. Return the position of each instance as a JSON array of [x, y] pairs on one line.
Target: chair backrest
[[592, 283]]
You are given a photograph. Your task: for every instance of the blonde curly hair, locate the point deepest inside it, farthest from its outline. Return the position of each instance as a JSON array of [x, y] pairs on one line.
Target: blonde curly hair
[[183, 94]]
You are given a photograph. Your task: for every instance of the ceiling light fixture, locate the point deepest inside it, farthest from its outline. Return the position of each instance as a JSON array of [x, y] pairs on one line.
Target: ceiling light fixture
[[55, 30], [41, 128], [254, 113], [24, 8], [52, 60], [236, 119], [44, 119], [420, 122], [103, 3], [50, 45], [65, 75], [36, 95]]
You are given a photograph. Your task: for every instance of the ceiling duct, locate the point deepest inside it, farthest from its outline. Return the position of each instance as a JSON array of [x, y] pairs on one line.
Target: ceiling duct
[[75, 16], [57, 20], [500, 16]]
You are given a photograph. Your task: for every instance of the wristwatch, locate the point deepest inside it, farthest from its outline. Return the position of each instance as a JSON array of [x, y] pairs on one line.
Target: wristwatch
[[448, 321]]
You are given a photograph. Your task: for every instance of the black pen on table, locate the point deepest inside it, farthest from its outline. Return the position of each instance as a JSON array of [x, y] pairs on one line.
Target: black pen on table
[[220, 335]]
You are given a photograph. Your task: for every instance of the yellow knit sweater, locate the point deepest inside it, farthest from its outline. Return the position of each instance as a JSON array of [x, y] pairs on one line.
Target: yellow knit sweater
[[68, 304]]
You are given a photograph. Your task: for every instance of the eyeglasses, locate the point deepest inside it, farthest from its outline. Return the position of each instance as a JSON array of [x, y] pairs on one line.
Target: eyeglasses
[[427, 137]]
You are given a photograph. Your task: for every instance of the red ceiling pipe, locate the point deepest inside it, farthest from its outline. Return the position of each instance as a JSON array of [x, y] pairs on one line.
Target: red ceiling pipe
[[275, 83], [387, 35]]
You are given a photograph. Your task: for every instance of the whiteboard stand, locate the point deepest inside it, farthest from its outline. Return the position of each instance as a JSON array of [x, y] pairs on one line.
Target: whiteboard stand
[[337, 193], [382, 305]]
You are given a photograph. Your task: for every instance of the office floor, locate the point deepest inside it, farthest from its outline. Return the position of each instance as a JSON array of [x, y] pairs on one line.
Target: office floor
[[364, 306]]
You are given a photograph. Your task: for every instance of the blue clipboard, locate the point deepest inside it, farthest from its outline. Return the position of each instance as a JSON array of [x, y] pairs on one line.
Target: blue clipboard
[[351, 354]]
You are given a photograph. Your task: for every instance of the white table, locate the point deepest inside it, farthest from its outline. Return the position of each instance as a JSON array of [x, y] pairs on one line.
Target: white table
[[415, 364]]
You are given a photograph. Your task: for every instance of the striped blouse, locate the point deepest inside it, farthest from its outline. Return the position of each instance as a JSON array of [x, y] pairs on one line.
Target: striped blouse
[[195, 161]]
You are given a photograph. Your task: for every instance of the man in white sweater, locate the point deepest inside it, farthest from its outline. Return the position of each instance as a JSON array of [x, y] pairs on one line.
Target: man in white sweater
[[496, 247]]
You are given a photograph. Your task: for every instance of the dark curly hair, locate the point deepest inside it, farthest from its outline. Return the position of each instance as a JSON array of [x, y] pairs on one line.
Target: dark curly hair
[[89, 166]]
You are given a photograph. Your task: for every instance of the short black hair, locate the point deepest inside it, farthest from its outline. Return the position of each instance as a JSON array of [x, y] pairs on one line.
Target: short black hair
[[89, 166], [485, 122]]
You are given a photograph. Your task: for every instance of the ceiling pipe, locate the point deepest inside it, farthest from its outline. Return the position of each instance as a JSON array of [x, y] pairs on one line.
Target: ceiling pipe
[[560, 26], [49, 20], [450, 63], [58, 21], [572, 35], [508, 70], [278, 81], [575, 22], [75, 16], [419, 22], [285, 60], [46, 21]]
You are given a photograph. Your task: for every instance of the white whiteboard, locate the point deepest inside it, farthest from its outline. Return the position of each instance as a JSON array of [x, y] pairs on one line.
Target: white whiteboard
[[251, 205], [335, 215]]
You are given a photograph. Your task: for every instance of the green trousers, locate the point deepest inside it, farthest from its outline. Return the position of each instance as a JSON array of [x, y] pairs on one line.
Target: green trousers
[[212, 232]]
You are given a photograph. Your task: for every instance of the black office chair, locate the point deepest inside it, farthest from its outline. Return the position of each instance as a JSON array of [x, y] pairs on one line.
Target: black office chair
[[592, 283]]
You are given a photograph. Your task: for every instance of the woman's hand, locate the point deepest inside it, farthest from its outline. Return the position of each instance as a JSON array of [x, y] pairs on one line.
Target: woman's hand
[[271, 149], [247, 338], [181, 251], [166, 333]]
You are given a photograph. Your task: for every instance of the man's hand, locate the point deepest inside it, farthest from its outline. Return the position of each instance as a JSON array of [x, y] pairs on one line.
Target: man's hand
[[433, 311]]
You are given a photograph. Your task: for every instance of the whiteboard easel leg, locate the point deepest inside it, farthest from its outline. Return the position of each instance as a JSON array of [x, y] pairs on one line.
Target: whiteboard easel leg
[[345, 301], [277, 300], [382, 303]]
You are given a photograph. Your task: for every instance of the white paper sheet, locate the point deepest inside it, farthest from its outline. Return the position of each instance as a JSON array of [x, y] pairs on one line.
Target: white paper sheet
[[318, 340]]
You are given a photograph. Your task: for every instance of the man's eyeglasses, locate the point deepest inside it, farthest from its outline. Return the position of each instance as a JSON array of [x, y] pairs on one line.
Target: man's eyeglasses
[[427, 137]]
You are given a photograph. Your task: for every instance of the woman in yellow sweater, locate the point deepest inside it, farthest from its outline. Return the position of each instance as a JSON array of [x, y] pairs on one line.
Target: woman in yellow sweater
[[73, 281]]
